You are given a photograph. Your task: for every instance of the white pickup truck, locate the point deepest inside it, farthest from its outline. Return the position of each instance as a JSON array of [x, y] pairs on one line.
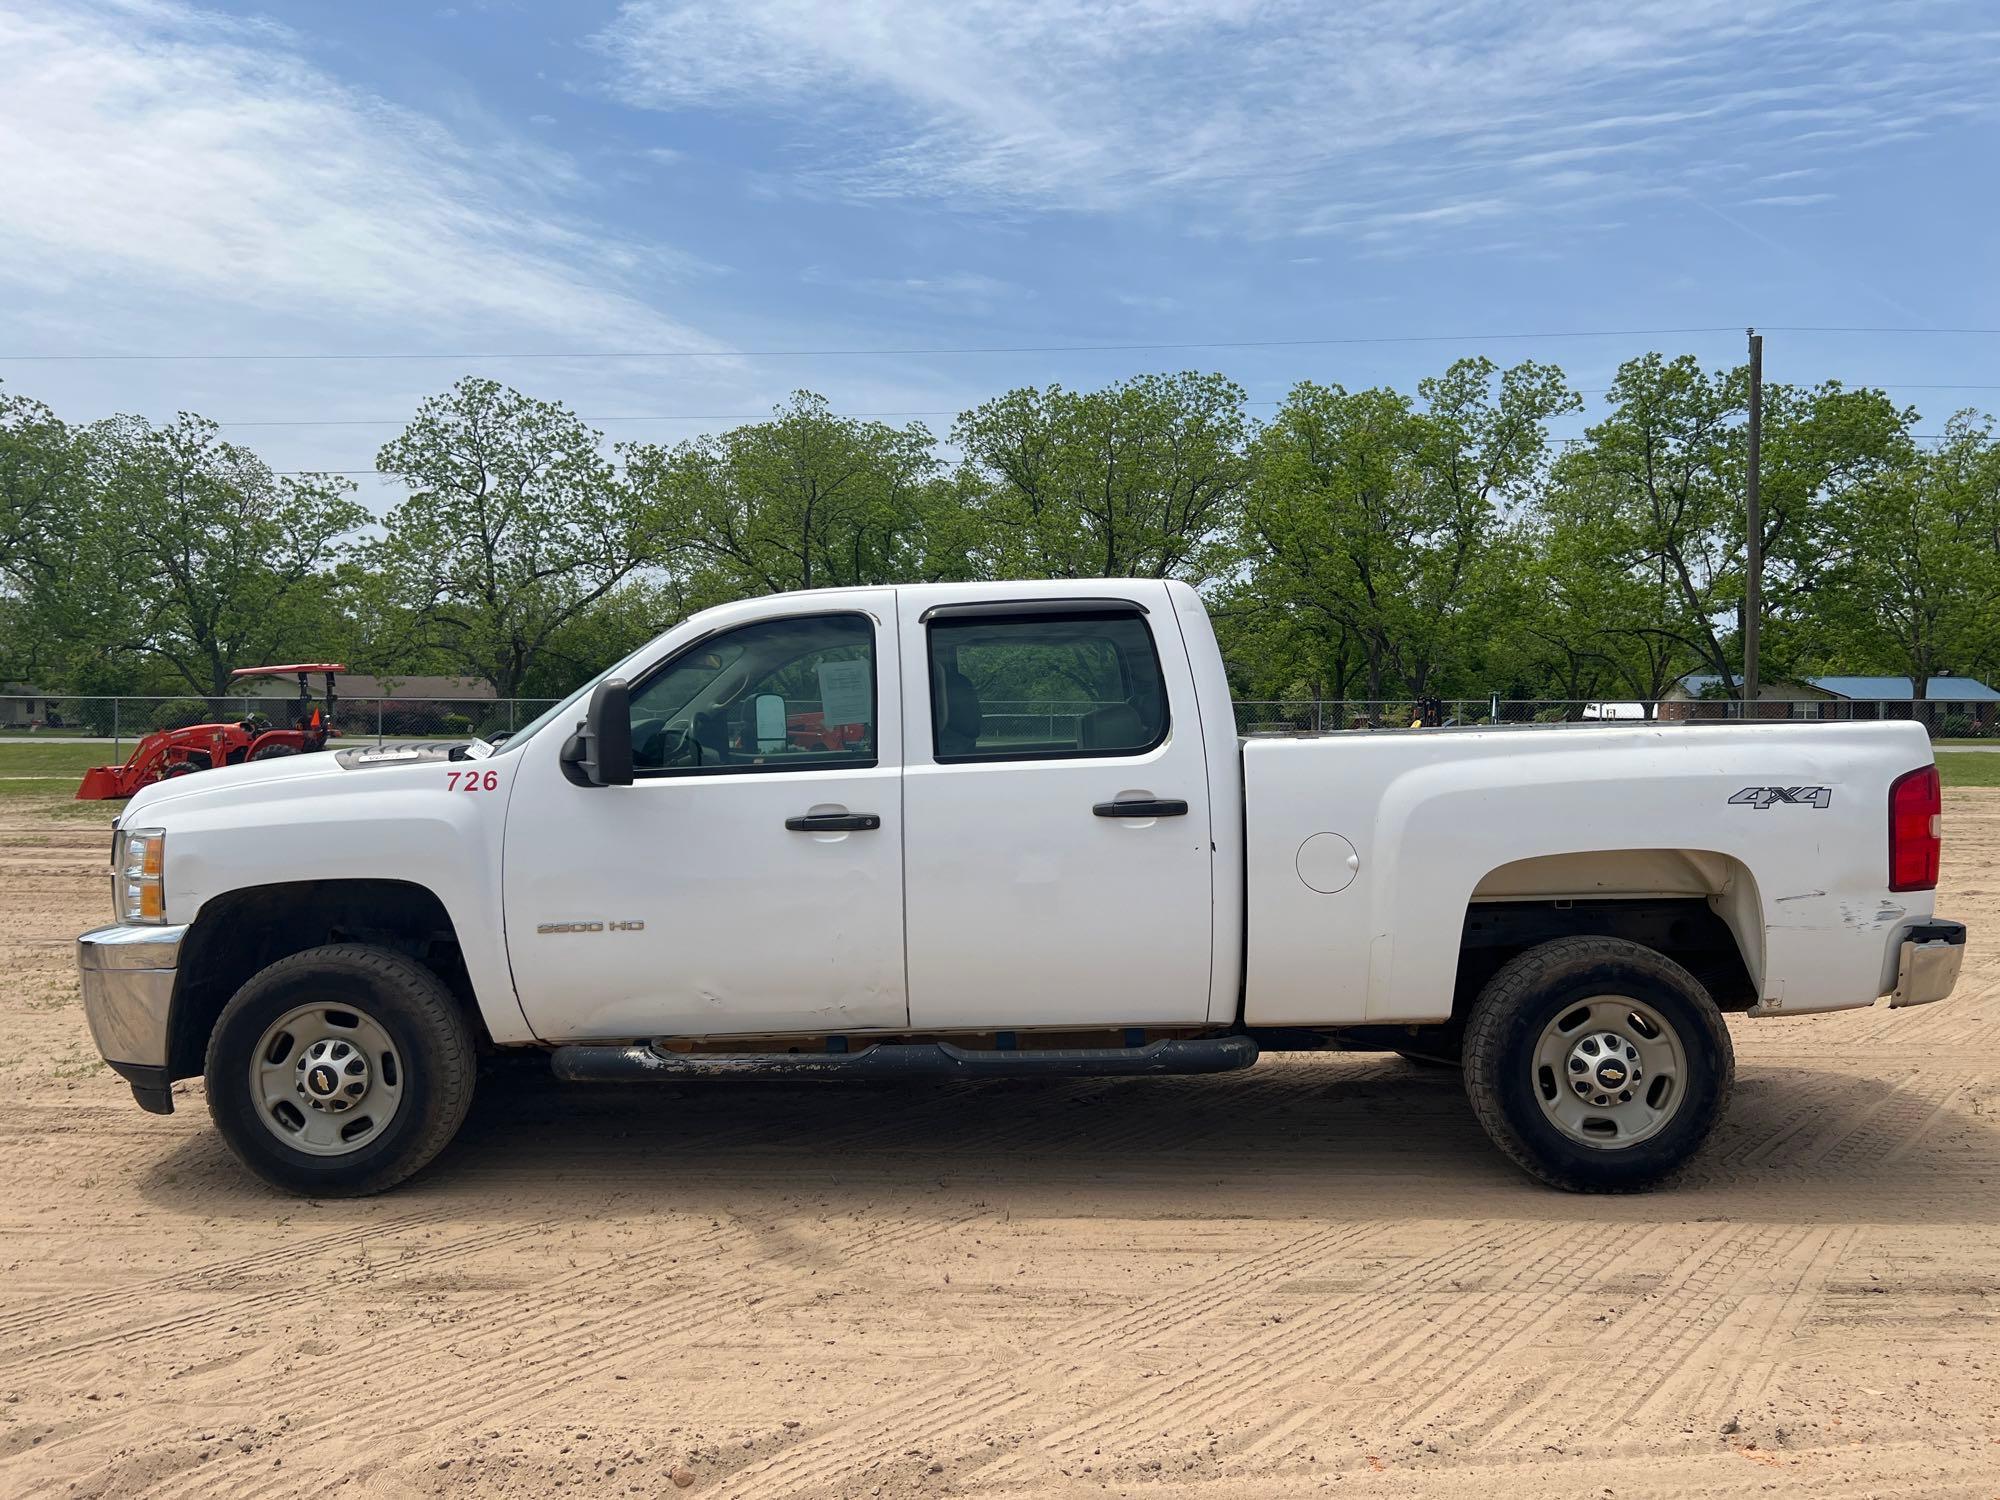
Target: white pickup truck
[[828, 835]]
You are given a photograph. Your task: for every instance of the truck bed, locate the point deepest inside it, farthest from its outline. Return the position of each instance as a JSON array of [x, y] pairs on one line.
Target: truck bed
[[1364, 852]]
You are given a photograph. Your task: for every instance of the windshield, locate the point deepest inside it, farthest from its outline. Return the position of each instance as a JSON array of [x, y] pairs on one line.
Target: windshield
[[527, 731], [683, 680]]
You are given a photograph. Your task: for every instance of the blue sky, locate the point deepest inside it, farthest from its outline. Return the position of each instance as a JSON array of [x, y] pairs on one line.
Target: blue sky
[[674, 175]]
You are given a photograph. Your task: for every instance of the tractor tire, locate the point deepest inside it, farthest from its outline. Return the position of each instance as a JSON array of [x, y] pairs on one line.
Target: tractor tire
[[273, 752], [340, 1071], [1597, 1065]]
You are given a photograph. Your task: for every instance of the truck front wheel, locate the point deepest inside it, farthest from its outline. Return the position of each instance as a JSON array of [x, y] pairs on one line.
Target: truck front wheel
[[339, 1071], [1598, 1065]]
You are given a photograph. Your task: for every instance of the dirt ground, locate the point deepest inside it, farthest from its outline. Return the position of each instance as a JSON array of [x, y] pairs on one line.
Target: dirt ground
[[1312, 1278]]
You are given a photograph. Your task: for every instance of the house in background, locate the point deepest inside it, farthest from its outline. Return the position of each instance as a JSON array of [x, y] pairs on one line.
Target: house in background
[[1944, 698], [23, 706], [1699, 695]]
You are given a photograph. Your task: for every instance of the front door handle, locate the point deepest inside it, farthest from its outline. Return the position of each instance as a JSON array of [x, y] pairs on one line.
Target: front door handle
[[1148, 807], [834, 822]]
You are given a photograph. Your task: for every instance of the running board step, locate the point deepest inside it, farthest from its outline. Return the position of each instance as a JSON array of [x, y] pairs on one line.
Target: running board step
[[593, 1064]]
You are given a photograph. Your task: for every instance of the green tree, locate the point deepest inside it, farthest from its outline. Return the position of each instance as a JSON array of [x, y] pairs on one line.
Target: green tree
[[1143, 478], [1608, 612], [805, 500], [225, 560], [1913, 583], [1669, 464], [515, 527], [1391, 523], [62, 608]]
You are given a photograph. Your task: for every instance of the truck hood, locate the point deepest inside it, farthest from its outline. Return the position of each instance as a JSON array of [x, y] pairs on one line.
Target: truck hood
[[266, 780]]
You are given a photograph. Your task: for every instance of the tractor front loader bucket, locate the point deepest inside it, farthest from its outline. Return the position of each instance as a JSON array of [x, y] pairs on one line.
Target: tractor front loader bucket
[[101, 783]]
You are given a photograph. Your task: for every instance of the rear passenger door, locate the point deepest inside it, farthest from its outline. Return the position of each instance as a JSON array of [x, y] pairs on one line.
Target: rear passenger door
[[1034, 728]]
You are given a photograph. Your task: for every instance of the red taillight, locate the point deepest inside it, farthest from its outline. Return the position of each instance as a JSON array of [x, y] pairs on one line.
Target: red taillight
[[1915, 804]]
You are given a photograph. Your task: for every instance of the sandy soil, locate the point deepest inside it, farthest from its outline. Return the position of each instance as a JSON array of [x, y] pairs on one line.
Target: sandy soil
[[1313, 1278]]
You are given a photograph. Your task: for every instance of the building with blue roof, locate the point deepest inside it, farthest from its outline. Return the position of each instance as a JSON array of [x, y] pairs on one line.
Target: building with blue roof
[[1848, 697]]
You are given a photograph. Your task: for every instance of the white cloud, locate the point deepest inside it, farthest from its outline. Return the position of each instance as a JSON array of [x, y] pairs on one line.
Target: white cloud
[[152, 152], [940, 288], [1357, 118]]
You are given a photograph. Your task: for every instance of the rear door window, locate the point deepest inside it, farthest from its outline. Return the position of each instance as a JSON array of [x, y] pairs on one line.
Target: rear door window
[[1044, 686]]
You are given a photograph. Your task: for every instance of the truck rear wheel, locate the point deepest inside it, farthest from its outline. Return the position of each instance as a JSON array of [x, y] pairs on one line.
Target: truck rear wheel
[[1597, 1064], [339, 1071]]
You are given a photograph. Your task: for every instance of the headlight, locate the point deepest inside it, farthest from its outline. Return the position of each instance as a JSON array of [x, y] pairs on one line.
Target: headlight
[[138, 871]]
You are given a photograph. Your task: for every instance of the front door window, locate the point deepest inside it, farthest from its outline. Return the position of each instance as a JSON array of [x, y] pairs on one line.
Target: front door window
[[794, 694]]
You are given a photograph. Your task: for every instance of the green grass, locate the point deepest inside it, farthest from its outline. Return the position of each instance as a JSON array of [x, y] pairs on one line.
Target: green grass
[[47, 770], [54, 760], [1968, 770]]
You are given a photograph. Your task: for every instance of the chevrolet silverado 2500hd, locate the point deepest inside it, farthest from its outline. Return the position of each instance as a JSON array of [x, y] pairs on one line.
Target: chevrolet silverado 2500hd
[[825, 834]]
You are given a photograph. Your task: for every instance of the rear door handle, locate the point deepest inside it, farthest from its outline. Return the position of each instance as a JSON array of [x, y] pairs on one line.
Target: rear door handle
[[1149, 807], [834, 822]]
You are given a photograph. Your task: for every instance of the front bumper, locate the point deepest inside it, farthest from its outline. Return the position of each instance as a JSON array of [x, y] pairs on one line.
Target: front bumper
[[128, 993], [1927, 964]]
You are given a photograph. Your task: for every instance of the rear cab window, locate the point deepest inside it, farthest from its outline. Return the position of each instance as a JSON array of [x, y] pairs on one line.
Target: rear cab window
[[1044, 683]]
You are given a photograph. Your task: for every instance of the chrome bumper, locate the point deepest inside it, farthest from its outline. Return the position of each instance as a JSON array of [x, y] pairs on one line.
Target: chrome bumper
[[128, 992], [1928, 963]]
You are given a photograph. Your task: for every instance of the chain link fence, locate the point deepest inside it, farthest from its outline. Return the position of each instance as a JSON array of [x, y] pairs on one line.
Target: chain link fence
[[119, 721], [1322, 715]]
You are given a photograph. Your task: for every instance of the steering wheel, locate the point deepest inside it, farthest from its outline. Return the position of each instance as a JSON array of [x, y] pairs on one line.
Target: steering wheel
[[710, 732], [676, 747], [650, 742]]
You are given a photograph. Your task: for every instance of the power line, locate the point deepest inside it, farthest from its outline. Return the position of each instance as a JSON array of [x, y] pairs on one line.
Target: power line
[[859, 353], [975, 349], [1821, 328], [1564, 442], [758, 416]]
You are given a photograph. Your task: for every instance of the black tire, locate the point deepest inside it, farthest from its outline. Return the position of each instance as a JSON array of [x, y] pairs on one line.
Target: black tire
[[1536, 988], [398, 994], [273, 752]]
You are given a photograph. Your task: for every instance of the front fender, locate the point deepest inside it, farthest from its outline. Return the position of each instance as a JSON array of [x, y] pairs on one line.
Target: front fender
[[414, 823]]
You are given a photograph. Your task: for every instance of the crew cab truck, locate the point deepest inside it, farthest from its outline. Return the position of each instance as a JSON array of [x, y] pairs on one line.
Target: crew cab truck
[[1003, 828]]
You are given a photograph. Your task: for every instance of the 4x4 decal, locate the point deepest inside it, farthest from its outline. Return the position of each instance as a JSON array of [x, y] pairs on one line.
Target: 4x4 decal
[[1761, 797]]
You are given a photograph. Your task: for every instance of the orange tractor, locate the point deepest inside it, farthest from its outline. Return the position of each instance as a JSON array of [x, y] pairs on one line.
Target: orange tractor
[[200, 747]]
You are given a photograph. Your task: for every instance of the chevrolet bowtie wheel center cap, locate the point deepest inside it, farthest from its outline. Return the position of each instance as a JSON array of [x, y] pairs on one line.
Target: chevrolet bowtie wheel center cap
[[333, 1076], [1604, 1068]]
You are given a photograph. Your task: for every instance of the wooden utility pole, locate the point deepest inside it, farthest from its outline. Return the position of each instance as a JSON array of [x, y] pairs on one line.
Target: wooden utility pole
[[1753, 528]]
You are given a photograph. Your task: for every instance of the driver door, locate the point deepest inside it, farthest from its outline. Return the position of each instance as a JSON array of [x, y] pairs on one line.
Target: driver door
[[750, 879]]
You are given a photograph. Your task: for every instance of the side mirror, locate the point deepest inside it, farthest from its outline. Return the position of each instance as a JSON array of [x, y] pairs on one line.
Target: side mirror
[[600, 752], [771, 721]]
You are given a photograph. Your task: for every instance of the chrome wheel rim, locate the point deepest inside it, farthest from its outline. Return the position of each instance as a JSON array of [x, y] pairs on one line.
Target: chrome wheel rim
[[326, 1079], [1610, 1072]]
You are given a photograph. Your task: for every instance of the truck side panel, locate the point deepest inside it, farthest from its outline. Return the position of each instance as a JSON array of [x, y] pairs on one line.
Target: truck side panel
[[1416, 821]]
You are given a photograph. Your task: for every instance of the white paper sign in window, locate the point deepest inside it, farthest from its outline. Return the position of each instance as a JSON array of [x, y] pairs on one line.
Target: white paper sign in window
[[844, 696]]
